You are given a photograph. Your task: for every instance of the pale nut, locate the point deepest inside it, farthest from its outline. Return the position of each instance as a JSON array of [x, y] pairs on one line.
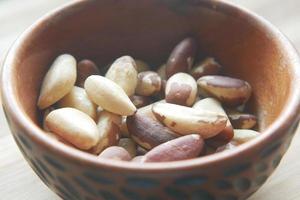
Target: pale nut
[[141, 66], [129, 145], [185, 120], [213, 105], [230, 91], [109, 131], [181, 89], [125, 59], [123, 72], [108, 95], [244, 135], [58, 138], [58, 81], [47, 131], [140, 101], [85, 68], [149, 83], [146, 130], [209, 66], [242, 120], [73, 126], [210, 104], [78, 99], [161, 71], [137, 159], [115, 153], [182, 148], [182, 57]]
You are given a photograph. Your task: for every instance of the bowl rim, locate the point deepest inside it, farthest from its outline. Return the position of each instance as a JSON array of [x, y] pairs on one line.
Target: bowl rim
[[288, 116]]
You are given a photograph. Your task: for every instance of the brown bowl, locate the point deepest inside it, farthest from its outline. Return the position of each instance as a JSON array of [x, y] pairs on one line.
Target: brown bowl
[[249, 47]]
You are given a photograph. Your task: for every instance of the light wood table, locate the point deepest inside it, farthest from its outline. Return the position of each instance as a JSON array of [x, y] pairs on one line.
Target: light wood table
[[18, 181]]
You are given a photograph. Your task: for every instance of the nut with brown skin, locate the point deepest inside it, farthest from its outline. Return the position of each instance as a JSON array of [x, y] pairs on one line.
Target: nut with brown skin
[[221, 138], [209, 66], [182, 148], [181, 89], [129, 145], [123, 72], [230, 91], [184, 120], [146, 130], [108, 95], [242, 120], [140, 101], [58, 81], [85, 68], [109, 131], [78, 99], [149, 83], [141, 66], [213, 105], [244, 135], [115, 153], [182, 57], [73, 126]]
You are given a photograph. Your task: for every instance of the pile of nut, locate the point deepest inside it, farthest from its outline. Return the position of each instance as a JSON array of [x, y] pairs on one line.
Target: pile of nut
[[181, 111]]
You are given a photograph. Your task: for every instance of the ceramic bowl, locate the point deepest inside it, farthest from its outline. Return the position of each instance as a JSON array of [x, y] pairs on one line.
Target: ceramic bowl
[[245, 44]]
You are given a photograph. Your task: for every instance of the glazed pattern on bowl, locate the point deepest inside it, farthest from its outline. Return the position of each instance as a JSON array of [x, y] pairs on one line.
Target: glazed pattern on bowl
[[248, 47]]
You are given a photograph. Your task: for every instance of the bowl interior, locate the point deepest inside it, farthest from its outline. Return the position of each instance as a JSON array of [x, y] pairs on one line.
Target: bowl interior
[[148, 30]]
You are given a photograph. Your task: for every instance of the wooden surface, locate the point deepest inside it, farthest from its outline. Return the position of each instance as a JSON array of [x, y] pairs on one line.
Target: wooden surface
[[18, 181]]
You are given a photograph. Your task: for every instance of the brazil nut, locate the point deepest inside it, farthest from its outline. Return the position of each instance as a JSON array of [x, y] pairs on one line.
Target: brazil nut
[[181, 89], [85, 68], [123, 72], [146, 130], [182, 148], [209, 66], [182, 57], [230, 91]]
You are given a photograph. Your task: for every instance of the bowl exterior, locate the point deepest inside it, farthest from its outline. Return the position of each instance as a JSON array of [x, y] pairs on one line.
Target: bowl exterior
[[235, 179]]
